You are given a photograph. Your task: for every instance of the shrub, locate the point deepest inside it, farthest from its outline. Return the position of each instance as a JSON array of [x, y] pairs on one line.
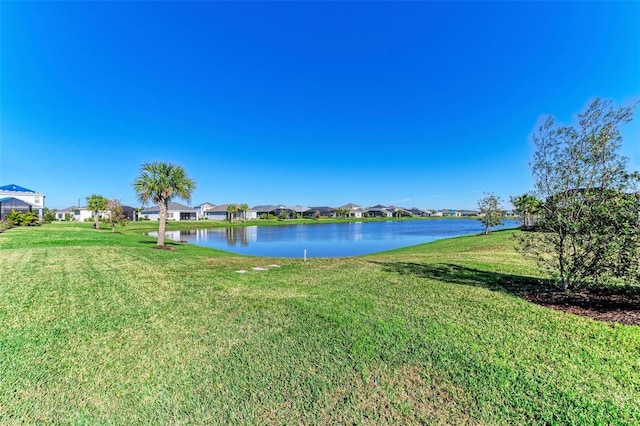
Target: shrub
[[22, 219]]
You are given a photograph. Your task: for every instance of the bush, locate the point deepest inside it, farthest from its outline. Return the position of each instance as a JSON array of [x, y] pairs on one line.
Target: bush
[[22, 219], [49, 216]]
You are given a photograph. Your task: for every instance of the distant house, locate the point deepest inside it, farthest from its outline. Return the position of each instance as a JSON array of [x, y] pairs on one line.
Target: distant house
[[419, 212], [450, 213], [14, 197], [221, 213], [175, 212], [129, 212], [267, 209], [203, 208], [399, 211], [322, 211], [354, 210], [379, 211], [293, 211], [81, 214], [74, 213]]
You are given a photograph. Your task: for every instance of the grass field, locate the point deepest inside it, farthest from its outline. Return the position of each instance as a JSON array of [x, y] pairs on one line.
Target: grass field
[[101, 328]]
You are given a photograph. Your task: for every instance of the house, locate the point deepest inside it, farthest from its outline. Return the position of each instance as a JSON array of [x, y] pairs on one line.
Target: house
[[293, 211], [399, 211], [175, 212], [267, 209], [14, 197], [74, 213], [203, 208], [82, 214], [221, 213], [353, 209], [379, 211], [129, 212], [419, 212], [321, 211], [450, 213]]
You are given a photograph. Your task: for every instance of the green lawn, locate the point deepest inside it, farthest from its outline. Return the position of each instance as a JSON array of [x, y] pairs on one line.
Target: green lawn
[[101, 328]]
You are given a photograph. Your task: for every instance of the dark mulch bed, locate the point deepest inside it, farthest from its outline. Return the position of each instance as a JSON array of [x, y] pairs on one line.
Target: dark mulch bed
[[620, 305]]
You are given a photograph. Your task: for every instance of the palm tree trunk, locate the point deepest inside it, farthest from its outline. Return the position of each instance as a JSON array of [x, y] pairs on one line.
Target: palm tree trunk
[[96, 221], [162, 226]]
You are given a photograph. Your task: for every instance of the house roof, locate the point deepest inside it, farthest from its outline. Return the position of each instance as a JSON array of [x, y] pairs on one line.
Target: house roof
[[351, 206], [266, 208], [321, 209], [298, 209], [223, 208], [378, 207], [69, 209], [14, 201], [15, 188], [202, 204], [172, 207]]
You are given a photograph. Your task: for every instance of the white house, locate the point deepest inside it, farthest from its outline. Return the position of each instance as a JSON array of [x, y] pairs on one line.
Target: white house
[[220, 213], [14, 197], [73, 213], [379, 211], [354, 210], [175, 212], [203, 208]]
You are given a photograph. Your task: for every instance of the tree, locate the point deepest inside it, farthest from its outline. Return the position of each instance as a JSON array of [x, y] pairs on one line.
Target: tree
[[116, 214], [243, 208], [588, 220], [526, 205], [231, 212], [160, 182], [96, 203], [49, 215], [490, 211]]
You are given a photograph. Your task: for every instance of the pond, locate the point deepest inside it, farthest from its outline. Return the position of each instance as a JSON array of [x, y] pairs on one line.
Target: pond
[[329, 240]]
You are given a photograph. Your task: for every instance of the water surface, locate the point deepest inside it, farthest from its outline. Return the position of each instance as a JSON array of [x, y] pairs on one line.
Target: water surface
[[329, 240]]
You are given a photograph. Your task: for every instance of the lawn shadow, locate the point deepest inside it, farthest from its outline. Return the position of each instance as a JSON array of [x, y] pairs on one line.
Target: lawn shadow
[[614, 303], [457, 274], [167, 243]]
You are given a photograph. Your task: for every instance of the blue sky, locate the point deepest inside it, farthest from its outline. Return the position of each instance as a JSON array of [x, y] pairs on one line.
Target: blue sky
[[425, 104]]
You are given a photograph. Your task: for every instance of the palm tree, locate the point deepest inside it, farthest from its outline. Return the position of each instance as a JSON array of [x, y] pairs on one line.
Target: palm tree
[[526, 205], [243, 208], [96, 203], [231, 210], [161, 182]]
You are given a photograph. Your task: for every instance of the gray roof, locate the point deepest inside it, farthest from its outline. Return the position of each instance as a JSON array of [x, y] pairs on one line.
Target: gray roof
[[298, 209], [202, 204], [172, 207], [69, 209], [321, 209], [267, 208], [351, 206], [223, 208]]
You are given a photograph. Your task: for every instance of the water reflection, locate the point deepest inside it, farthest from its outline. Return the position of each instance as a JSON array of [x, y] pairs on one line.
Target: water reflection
[[329, 240]]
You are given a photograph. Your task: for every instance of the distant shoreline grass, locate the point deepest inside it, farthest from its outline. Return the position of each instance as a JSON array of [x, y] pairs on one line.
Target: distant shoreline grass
[[100, 328]]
